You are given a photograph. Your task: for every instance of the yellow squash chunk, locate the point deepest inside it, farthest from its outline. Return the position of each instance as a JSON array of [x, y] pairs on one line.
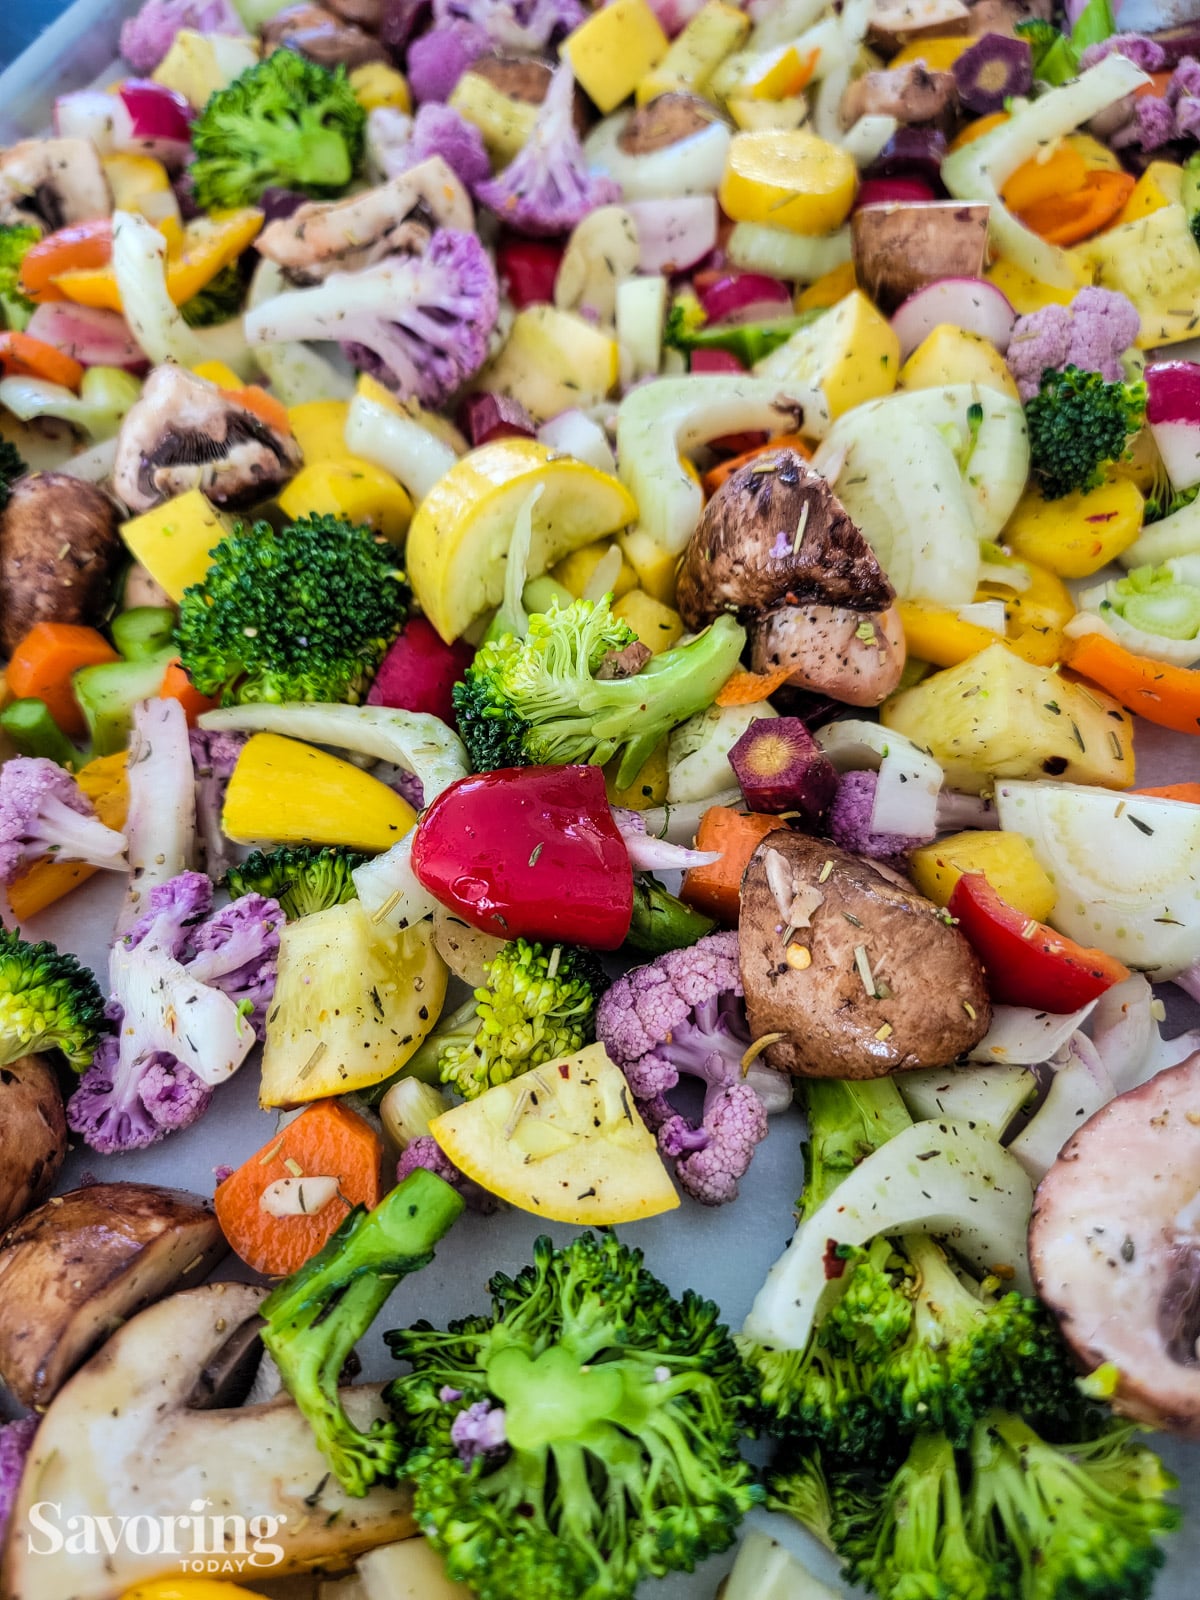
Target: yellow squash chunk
[[293, 793], [198, 64], [553, 361], [458, 541], [852, 352], [649, 787], [656, 625], [173, 540], [1026, 294], [1077, 535], [694, 55], [188, 1589], [655, 567], [353, 1000], [952, 355], [505, 124], [319, 428], [776, 74], [355, 490], [790, 180], [376, 84], [998, 716], [828, 290], [758, 116], [575, 571], [1156, 262], [939, 55], [1005, 859], [613, 51], [218, 372], [564, 1141], [1160, 185]]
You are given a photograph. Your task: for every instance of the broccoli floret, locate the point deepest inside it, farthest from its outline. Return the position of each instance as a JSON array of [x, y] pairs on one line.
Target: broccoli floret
[[539, 1003], [1078, 423], [220, 300], [285, 123], [303, 878], [316, 1317], [12, 467], [303, 614], [47, 1002], [16, 308], [687, 328], [538, 700], [580, 1438]]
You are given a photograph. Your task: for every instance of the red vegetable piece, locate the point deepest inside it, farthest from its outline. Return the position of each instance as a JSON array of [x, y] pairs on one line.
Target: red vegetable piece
[[781, 767], [745, 297], [714, 361], [892, 191], [419, 672], [529, 852], [484, 417], [528, 267], [1025, 962]]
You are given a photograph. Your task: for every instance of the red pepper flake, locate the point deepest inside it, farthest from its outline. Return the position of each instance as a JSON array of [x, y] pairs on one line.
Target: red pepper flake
[[1101, 516], [564, 1069], [835, 1263]]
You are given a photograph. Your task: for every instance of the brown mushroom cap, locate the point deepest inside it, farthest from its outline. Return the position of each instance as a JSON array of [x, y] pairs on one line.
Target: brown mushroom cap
[[665, 121], [34, 1142], [929, 1003], [59, 546], [322, 37], [776, 534], [1114, 1244], [525, 79]]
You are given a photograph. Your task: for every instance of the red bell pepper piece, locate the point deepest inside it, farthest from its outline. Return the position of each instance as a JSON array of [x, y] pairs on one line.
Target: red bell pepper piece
[[529, 268], [419, 672], [530, 853], [1025, 962]]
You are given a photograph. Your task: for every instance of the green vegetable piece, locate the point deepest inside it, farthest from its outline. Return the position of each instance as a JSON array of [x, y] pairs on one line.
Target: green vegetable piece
[[143, 632], [1154, 600], [1078, 424], [47, 1002], [219, 301], [34, 732], [303, 878], [661, 921], [107, 694], [16, 308], [687, 329]]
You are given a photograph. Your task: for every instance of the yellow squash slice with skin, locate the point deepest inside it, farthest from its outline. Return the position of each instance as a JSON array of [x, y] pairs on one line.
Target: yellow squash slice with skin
[[459, 538], [564, 1141]]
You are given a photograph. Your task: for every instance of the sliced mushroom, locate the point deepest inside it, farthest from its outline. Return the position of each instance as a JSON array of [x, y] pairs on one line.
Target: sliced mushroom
[[55, 182], [364, 13], [81, 1264], [900, 248], [59, 547], [312, 31], [912, 94], [876, 981], [1114, 1243], [894, 23], [184, 433], [347, 235], [121, 1440], [34, 1129], [666, 120], [853, 656]]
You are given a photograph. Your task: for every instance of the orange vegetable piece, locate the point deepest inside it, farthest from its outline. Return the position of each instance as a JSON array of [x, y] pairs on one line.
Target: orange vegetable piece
[[176, 685], [977, 129], [748, 688], [23, 356], [716, 889], [1061, 173], [1166, 695], [45, 881], [44, 662], [327, 1140], [1066, 219], [264, 406], [1188, 793], [716, 476], [1158, 85], [84, 245]]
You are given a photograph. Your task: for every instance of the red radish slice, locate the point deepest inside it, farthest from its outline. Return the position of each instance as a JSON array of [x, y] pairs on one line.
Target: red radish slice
[[1173, 412], [485, 417], [419, 672], [887, 191], [94, 337], [156, 112], [745, 297], [972, 304], [674, 233], [714, 361]]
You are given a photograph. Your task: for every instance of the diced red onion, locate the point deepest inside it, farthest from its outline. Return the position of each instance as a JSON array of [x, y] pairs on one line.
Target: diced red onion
[[745, 297], [893, 191], [714, 361], [485, 417]]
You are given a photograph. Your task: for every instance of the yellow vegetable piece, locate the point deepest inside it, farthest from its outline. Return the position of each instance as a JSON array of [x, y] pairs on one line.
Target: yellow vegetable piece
[[293, 793], [198, 64], [648, 789], [564, 1141], [553, 361], [409, 1570], [998, 716], [937, 634], [1026, 294], [1160, 185], [459, 538], [366, 992], [575, 571], [1097, 157], [952, 355], [505, 124], [1045, 603], [187, 1589], [218, 372], [939, 55], [1006, 860], [852, 352], [789, 180], [827, 291], [141, 184], [376, 84], [173, 540], [694, 55], [319, 427], [209, 244], [656, 625], [1156, 262], [656, 567], [775, 74], [757, 116], [353, 489], [1077, 535], [1044, 177], [613, 51]]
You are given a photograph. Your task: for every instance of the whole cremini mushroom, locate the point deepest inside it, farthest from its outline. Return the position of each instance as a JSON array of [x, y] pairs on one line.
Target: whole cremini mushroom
[[778, 549], [33, 1126], [59, 546], [1114, 1244]]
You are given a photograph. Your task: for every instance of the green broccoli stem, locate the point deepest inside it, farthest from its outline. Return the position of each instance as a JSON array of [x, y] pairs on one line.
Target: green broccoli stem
[[316, 1317], [847, 1122], [456, 1030]]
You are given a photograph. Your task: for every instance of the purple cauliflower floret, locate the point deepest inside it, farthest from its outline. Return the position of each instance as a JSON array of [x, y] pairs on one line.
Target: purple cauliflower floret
[[214, 756], [438, 59], [15, 1441], [43, 812], [397, 142], [1185, 80], [1187, 117], [479, 1430], [1092, 333], [122, 1106], [409, 787], [683, 1015], [525, 26], [1145, 53], [146, 38], [427, 1153], [236, 951], [1151, 126], [547, 188], [850, 822]]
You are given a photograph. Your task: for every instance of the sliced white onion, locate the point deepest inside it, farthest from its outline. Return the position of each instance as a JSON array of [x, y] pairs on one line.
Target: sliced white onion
[[297, 1197], [1079, 1088], [574, 434], [1021, 1037], [692, 166], [864, 142], [641, 312], [674, 233], [94, 465], [607, 571]]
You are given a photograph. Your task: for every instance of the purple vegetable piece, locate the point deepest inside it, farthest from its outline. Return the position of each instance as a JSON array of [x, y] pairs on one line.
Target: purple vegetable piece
[[146, 38], [918, 151], [438, 59], [1151, 126], [992, 71], [524, 26], [398, 21], [1185, 80], [15, 1440], [236, 951], [1187, 117], [439, 130], [485, 417], [547, 188], [683, 1014], [427, 1153], [479, 1431], [43, 812], [1092, 333], [850, 822], [279, 204], [124, 1104], [214, 756], [781, 767], [1145, 53], [406, 784]]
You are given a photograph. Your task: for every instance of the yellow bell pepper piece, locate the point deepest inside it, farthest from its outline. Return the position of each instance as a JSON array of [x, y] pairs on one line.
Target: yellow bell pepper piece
[[187, 1589], [43, 882], [209, 243], [1077, 535], [319, 427], [613, 51], [1026, 294], [1006, 860], [172, 541], [790, 180], [827, 291], [1160, 185], [353, 489], [141, 184], [937, 634], [294, 793], [376, 84], [1045, 602], [218, 372], [689, 64]]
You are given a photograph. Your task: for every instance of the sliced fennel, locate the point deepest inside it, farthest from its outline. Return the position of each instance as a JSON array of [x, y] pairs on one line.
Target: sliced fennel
[[105, 395], [984, 1097], [800, 257], [1126, 868], [1173, 537], [395, 441], [298, 372], [1125, 1030], [1078, 1089], [977, 171], [389, 889], [940, 1177], [1021, 1037], [698, 750], [1151, 612], [910, 780]]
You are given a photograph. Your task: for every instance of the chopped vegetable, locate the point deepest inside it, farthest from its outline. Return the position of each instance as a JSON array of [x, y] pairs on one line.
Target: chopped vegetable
[[780, 767], [47, 1002], [284, 790], [42, 665], [302, 878], [43, 812], [1167, 695], [733, 837], [1078, 425], [991, 72], [661, 921], [1153, 612]]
